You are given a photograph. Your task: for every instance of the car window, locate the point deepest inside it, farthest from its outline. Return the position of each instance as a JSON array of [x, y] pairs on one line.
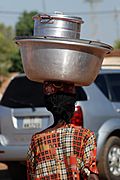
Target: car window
[[114, 86], [102, 85], [80, 94], [22, 92]]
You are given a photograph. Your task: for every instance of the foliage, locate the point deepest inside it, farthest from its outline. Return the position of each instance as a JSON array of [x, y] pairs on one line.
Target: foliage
[[7, 48], [117, 44], [25, 25], [10, 59], [16, 63]]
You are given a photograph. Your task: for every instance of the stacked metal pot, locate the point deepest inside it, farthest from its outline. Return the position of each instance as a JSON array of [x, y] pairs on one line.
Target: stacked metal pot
[[57, 25], [56, 52]]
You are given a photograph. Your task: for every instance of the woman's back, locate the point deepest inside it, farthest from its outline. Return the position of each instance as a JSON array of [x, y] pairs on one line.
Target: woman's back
[[62, 153]]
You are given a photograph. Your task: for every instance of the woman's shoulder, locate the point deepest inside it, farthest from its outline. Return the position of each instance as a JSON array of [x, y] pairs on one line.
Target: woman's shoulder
[[36, 136], [83, 131]]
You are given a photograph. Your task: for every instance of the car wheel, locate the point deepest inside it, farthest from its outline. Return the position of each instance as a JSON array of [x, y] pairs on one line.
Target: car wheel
[[109, 163], [17, 170]]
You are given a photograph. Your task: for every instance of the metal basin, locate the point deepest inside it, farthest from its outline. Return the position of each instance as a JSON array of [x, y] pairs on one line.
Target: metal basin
[[77, 61]]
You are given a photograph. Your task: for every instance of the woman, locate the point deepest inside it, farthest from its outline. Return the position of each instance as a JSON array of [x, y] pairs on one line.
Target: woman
[[63, 151]]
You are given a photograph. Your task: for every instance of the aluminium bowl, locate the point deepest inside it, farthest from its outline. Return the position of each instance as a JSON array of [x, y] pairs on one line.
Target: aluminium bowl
[[77, 61]]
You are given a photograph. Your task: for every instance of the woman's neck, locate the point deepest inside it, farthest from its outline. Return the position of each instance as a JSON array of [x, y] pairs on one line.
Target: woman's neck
[[54, 127]]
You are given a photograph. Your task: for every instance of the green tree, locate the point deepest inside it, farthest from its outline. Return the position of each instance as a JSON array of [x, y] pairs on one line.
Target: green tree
[[10, 59], [24, 27], [117, 44], [16, 63], [25, 24], [7, 48]]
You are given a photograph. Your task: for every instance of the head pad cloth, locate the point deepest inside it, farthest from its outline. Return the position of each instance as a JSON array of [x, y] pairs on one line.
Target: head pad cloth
[[53, 87]]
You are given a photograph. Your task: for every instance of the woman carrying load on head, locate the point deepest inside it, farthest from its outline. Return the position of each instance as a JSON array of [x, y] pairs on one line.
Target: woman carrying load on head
[[63, 151]]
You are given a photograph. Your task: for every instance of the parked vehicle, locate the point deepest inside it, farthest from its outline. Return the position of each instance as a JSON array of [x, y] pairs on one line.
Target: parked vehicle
[[22, 113]]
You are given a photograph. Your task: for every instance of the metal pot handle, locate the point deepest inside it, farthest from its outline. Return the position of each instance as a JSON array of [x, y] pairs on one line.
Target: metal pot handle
[[44, 18]]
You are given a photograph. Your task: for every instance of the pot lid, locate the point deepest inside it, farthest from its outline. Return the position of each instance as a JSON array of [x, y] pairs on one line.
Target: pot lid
[[58, 15]]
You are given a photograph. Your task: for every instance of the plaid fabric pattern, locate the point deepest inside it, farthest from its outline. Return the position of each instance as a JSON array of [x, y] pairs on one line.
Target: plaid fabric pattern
[[62, 154]]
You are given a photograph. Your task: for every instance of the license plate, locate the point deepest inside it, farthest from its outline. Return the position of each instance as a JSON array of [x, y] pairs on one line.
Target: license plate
[[32, 122]]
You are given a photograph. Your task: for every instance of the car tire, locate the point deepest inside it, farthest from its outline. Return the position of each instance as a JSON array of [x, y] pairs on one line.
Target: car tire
[[109, 163], [17, 170]]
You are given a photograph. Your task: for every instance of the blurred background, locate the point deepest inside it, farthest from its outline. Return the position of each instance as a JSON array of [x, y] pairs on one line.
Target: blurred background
[[101, 23]]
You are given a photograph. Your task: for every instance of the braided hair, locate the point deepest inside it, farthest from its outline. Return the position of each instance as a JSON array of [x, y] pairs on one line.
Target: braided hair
[[61, 105]]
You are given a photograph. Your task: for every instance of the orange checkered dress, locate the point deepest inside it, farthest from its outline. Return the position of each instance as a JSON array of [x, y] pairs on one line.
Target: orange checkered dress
[[66, 153]]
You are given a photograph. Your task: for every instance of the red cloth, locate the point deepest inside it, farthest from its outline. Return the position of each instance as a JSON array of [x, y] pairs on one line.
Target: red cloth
[[52, 87]]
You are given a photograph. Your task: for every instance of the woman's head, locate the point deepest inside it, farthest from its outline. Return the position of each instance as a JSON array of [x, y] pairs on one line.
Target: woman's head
[[60, 99]]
